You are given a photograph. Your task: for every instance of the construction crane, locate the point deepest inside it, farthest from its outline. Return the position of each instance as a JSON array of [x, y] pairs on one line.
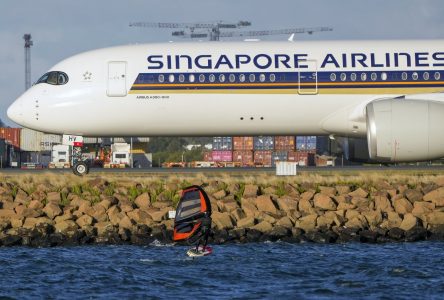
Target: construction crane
[[213, 28], [28, 44], [214, 32]]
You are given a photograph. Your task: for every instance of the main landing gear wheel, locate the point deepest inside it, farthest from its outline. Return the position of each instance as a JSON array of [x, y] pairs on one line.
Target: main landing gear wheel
[[80, 168]]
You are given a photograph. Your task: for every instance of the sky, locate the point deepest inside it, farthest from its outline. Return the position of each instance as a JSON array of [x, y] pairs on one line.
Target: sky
[[63, 28]]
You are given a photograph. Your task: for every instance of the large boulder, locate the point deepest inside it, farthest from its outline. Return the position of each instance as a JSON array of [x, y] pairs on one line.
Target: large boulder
[[421, 208], [143, 200], [35, 204], [435, 218], [30, 223], [7, 214], [382, 203], [285, 222], [342, 189], [222, 220], [126, 222], [403, 206], [246, 222], [435, 196], [103, 227], [84, 221], [52, 210], [250, 191], [409, 222], [307, 223], [287, 204], [360, 192], [374, 218], [219, 194], [21, 196], [140, 216], [324, 202], [227, 205], [357, 222], [306, 206], [265, 204], [413, 195], [53, 197], [327, 190], [263, 227], [65, 226]]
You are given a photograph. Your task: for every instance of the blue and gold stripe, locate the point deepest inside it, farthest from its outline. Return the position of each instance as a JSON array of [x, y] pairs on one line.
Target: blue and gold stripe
[[369, 82]]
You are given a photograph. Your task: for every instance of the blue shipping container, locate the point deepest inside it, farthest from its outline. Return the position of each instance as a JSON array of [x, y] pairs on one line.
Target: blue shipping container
[[222, 143], [263, 143]]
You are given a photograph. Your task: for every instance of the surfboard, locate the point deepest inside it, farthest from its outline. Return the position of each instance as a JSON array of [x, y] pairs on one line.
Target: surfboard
[[202, 251]]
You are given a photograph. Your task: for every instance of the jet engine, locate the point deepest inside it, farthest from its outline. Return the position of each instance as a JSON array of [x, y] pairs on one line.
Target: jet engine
[[405, 130]]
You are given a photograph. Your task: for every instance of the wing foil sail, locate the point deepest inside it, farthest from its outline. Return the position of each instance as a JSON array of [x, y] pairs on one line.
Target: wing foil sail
[[194, 206]]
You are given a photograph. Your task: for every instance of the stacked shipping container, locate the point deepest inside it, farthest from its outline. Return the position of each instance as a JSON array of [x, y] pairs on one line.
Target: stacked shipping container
[[263, 150]]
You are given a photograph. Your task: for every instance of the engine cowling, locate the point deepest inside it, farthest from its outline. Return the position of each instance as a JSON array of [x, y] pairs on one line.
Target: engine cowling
[[405, 130]]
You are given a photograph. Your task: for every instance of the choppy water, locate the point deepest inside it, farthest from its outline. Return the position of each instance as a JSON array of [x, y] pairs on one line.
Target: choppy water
[[268, 270]]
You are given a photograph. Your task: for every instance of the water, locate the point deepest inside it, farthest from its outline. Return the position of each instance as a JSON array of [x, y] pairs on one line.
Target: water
[[267, 270]]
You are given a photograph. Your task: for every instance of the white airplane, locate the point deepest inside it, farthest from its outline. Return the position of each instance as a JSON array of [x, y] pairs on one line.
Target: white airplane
[[388, 93]]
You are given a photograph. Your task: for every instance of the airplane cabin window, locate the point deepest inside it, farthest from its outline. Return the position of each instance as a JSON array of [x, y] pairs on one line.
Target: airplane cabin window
[[262, 77], [404, 76], [201, 77], [191, 78], [242, 77], [374, 76], [232, 78], [343, 77], [272, 77], [353, 76], [415, 76], [384, 76], [426, 76], [171, 78], [252, 77], [333, 77], [181, 78], [161, 78], [212, 78], [363, 76], [221, 78], [437, 76]]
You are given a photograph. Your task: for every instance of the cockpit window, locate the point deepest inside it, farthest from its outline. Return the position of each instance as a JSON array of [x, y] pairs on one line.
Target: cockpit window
[[54, 78]]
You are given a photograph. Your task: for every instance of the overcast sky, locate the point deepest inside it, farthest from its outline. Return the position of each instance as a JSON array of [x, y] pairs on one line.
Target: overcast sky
[[62, 28]]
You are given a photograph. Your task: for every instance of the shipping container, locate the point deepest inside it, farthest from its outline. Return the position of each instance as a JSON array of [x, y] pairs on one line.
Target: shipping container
[[221, 155], [278, 156], [284, 143], [3, 154], [244, 157], [305, 143], [302, 158], [243, 143], [222, 143], [207, 156], [11, 136], [262, 158], [35, 141], [263, 143]]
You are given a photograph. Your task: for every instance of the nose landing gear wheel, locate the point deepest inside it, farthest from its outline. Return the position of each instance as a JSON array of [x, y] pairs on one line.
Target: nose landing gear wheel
[[80, 169]]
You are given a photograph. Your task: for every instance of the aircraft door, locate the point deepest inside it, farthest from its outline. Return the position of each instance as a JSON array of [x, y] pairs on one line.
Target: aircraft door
[[308, 78], [116, 79]]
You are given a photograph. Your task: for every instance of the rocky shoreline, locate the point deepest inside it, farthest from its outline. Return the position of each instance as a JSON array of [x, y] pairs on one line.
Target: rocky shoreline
[[127, 212]]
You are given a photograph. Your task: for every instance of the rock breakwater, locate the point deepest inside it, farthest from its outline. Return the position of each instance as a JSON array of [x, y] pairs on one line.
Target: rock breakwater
[[126, 212]]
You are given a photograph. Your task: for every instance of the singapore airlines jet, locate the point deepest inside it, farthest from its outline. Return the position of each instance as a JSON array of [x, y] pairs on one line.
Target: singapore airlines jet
[[387, 92]]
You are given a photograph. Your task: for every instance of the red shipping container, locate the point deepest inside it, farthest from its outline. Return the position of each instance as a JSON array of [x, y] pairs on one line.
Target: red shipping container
[[207, 156], [222, 155], [242, 143], [244, 157], [11, 136], [284, 143], [263, 158], [305, 158]]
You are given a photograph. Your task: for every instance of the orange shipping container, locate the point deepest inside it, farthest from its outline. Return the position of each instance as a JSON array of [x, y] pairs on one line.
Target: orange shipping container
[[11, 136], [242, 143], [244, 157], [263, 158], [284, 143]]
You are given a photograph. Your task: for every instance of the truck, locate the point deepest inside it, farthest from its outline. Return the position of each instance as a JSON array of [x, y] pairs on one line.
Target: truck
[[60, 157], [120, 156]]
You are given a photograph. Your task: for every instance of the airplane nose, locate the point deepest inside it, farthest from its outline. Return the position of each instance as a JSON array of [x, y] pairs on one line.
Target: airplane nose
[[15, 112]]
